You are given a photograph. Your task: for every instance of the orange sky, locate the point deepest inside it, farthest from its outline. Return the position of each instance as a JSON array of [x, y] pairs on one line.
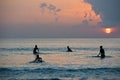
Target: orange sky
[[54, 17], [28, 11]]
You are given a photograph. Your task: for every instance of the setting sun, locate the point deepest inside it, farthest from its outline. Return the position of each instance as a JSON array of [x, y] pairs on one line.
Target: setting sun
[[108, 30]]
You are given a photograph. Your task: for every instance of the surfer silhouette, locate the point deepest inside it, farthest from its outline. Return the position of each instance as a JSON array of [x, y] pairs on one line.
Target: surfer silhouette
[[36, 50], [68, 49], [38, 59], [36, 53], [102, 52]]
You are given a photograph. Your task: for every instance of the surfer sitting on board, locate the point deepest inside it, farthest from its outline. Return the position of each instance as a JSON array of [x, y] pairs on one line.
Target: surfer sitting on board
[[38, 59], [36, 53], [102, 52], [68, 49]]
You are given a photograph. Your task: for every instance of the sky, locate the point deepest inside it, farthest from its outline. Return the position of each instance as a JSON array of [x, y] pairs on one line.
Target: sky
[[59, 18]]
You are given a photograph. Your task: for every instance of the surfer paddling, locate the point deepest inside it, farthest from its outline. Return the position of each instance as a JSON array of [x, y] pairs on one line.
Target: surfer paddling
[[36, 53], [102, 52], [68, 49]]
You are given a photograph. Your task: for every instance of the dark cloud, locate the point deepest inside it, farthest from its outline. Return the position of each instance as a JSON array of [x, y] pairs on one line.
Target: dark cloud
[[43, 6], [50, 7], [58, 10], [109, 10]]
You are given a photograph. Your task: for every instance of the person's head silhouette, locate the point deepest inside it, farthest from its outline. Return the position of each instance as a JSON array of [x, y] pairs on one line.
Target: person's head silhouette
[[101, 47], [35, 46]]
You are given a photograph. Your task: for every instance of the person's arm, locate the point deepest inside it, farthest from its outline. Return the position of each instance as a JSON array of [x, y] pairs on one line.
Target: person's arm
[[37, 50], [98, 54]]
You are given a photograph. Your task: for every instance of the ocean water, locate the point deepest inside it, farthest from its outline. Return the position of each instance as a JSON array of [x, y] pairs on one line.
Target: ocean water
[[16, 56]]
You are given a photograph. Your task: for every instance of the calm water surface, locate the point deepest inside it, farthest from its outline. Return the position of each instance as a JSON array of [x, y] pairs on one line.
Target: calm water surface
[[16, 55]]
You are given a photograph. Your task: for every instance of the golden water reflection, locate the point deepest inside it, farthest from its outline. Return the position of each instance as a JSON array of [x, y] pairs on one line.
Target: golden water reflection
[[57, 58], [62, 58]]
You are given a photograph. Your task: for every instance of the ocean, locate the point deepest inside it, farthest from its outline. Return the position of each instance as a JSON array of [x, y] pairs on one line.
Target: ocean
[[16, 56]]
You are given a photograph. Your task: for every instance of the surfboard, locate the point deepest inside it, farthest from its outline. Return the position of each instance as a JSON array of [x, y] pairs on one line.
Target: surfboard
[[95, 56], [37, 61], [100, 56]]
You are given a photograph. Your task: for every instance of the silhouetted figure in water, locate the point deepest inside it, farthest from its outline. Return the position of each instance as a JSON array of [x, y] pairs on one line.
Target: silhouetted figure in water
[[102, 52], [38, 59], [68, 49], [36, 53], [36, 50]]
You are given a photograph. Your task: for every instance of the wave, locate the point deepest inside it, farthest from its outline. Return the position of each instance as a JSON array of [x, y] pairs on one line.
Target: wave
[[60, 73], [58, 49], [60, 69]]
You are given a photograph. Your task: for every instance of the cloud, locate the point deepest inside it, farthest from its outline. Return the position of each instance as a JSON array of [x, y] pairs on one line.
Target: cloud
[[109, 10], [78, 11], [43, 6], [50, 7], [75, 12]]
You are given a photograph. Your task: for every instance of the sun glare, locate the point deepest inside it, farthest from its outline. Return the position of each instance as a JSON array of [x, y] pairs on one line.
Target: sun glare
[[108, 30]]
